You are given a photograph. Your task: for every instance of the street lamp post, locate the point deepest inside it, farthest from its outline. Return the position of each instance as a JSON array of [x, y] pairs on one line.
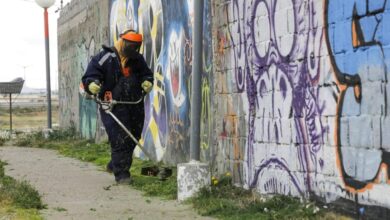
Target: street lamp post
[[24, 71], [45, 4]]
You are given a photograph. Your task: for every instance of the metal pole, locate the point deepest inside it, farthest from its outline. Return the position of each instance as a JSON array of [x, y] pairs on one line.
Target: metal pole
[[10, 115], [196, 99], [48, 89]]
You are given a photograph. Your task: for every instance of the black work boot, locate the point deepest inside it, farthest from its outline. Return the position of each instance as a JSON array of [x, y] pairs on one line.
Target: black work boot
[[109, 167], [124, 181]]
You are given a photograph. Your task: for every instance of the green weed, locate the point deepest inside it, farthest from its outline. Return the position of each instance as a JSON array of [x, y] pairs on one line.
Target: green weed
[[54, 140], [226, 201], [2, 141], [60, 209], [21, 194], [2, 164], [29, 139], [18, 198]]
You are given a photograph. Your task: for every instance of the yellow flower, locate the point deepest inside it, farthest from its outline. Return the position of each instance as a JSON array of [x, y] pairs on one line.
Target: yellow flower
[[215, 182], [228, 174], [213, 178]]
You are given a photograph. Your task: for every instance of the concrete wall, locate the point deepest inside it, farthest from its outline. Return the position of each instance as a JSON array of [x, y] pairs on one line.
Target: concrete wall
[[82, 29], [167, 29], [168, 50], [306, 88], [295, 92]]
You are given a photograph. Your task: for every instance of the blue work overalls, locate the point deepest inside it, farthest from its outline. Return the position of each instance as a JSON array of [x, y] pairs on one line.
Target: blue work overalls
[[105, 67]]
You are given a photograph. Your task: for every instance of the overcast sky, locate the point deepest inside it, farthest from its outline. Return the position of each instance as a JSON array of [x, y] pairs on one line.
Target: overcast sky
[[23, 43]]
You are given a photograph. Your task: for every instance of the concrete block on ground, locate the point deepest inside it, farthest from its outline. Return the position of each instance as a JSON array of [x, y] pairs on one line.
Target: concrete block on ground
[[191, 177]]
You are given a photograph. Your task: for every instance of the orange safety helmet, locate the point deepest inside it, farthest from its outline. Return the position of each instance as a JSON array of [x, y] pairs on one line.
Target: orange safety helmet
[[132, 36], [131, 40]]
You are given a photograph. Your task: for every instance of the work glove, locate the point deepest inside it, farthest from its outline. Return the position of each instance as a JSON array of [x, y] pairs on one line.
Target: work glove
[[94, 88], [147, 86]]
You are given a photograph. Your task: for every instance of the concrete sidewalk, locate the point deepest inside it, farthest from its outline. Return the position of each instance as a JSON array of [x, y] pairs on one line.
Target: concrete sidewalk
[[84, 191]]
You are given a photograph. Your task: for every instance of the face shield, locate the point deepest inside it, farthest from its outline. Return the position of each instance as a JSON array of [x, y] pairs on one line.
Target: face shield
[[131, 49], [131, 44]]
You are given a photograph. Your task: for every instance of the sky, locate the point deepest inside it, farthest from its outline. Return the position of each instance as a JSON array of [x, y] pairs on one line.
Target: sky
[[23, 42]]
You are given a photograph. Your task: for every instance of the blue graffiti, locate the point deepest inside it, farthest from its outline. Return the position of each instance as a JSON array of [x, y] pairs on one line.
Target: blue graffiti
[[359, 47], [357, 34]]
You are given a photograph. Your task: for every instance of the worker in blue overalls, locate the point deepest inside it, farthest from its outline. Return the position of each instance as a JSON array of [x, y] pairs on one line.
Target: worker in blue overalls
[[121, 72]]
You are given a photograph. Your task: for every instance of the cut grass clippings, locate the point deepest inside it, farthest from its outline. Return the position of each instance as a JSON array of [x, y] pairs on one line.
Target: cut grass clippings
[[18, 200]]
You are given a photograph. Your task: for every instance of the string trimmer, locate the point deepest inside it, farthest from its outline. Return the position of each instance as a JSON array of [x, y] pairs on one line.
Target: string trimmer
[[107, 105]]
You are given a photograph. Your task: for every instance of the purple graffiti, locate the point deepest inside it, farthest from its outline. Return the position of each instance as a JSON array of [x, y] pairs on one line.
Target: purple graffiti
[[274, 183], [282, 89], [241, 66]]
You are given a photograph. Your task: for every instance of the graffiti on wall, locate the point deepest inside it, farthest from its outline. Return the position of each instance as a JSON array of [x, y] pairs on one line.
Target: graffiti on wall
[[357, 40], [168, 51], [75, 51], [310, 90], [87, 108], [87, 116], [276, 68]]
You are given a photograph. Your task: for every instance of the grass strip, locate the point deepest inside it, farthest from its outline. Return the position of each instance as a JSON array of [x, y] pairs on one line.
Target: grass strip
[[68, 143], [222, 200], [18, 199]]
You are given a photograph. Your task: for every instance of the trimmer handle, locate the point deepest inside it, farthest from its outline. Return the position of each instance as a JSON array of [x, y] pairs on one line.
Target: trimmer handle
[[97, 82]]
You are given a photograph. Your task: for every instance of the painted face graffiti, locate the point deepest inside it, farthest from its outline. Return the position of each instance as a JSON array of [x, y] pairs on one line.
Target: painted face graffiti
[[174, 64], [273, 90], [283, 104], [175, 67]]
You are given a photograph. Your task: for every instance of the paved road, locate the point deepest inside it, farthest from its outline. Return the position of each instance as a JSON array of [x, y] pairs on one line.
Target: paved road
[[84, 191]]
